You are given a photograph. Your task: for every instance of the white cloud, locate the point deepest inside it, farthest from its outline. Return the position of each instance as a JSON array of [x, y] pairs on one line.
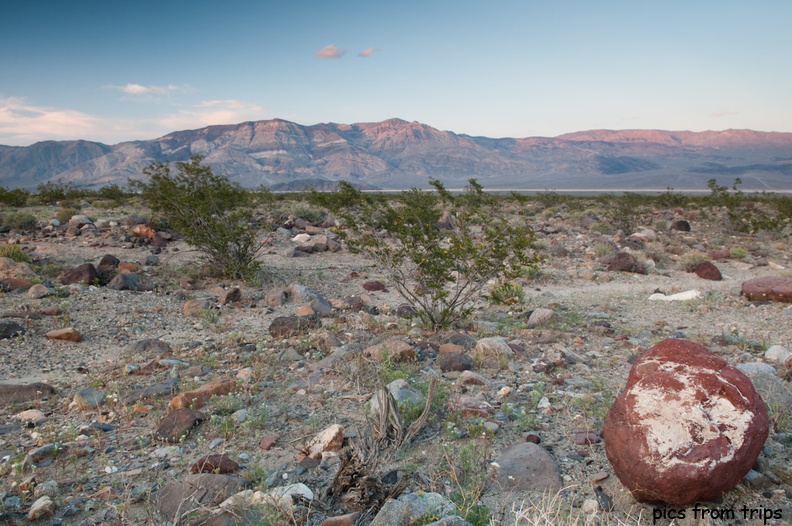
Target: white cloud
[[368, 52], [22, 123], [139, 89], [329, 52], [211, 112]]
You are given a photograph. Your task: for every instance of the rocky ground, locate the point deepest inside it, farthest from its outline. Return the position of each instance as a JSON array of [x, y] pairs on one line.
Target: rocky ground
[[172, 384]]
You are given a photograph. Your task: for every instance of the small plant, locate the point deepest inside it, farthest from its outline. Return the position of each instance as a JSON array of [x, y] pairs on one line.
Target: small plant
[[506, 293], [690, 260], [65, 214], [601, 248], [14, 252], [16, 197], [738, 253], [21, 220]]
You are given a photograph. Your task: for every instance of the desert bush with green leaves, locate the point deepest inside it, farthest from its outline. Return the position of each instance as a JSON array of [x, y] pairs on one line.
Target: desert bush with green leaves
[[212, 214], [440, 267]]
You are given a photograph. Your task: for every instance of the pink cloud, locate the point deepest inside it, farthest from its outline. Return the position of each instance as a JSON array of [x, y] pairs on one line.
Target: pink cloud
[[368, 52], [329, 52]]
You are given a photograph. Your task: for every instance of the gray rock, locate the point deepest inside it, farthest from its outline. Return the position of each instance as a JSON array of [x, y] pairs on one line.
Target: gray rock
[[527, 467], [89, 398], [9, 329], [178, 500], [149, 345], [540, 316], [125, 281], [778, 354], [163, 388], [770, 387], [407, 509], [401, 391], [451, 520]]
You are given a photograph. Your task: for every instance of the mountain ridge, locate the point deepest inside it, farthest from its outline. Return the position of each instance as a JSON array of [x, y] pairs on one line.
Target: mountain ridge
[[397, 154]]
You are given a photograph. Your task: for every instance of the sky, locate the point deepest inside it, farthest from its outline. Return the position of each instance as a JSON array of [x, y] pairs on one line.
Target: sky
[[113, 70]]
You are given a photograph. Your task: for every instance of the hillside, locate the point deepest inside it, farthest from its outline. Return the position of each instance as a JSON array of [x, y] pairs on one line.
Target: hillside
[[399, 154]]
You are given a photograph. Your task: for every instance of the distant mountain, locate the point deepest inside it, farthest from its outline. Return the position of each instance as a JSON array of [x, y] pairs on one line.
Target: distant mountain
[[397, 154]]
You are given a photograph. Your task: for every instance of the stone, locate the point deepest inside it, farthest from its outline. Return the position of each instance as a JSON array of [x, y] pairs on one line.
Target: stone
[[374, 285], [409, 508], [232, 295], [89, 399], [41, 508], [10, 269], [391, 349], [68, 334], [707, 270], [9, 329], [38, 291], [275, 298], [288, 326], [196, 306], [769, 386], [526, 467], [108, 260], [149, 345], [778, 354], [268, 442], [471, 378], [623, 262], [348, 519], [454, 361], [540, 316], [197, 398], [680, 225], [330, 439], [218, 463], [687, 426], [586, 438], [182, 497], [143, 231], [125, 281], [470, 407], [680, 296], [176, 425], [450, 520], [402, 393], [495, 346], [15, 393], [164, 388], [769, 288], [85, 273]]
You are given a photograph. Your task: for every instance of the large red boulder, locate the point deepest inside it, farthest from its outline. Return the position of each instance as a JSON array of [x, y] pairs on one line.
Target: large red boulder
[[687, 426], [769, 288]]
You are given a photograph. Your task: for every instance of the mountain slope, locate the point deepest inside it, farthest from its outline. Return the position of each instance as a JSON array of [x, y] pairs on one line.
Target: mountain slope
[[400, 154]]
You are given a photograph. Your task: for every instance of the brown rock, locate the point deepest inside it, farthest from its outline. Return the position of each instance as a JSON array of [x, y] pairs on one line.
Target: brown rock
[[202, 491], [687, 426], [14, 393], [720, 254], [374, 286], [127, 266], [586, 438], [706, 270], [454, 361], [85, 273], [470, 407], [330, 439], [9, 329], [143, 231], [268, 442], [350, 519], [176, 425], [623, 262], [681, 225], [231, 295], [196, 307], [396, 350], [218, 463], [197, 398], [772, 288], [68, 334]]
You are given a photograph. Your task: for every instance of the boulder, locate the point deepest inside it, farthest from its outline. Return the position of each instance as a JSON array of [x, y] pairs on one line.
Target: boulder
[[195, 493], [85, 273], [176, 425], [686, 428], [396, 350], [217, 463], [288, 326], [623, 262], [9, 329], [68, 334], [707, 270], [769, 288]]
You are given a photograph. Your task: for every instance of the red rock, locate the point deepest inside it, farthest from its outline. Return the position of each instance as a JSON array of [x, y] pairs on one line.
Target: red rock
[[706, 270], [687, 426], [720, 254], [217, 463], [127, 266], [623, 262], [586, 438], [143, 231], [772, 288], [681, 225], [268, 442], [396, 350], [470, 407], [68, 334], [532, 438], [85, 273], [374, 286], [176, 425]]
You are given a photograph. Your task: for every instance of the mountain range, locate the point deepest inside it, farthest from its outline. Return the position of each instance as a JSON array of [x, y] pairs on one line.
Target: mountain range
[[396, 154]]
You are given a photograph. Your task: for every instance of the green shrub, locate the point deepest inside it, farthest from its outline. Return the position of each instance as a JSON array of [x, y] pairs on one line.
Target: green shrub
[[16, 197], [440, 269], [690, 260], [344, 197], [65, 214], [211, 213], [21, 220], [14, 252], [506, 293]]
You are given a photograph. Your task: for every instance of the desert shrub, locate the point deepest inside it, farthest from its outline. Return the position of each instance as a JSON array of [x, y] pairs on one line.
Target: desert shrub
[[738, 253], [16, 197], [440, 268], [506, 293], [21, 220], [211, 213], [14, 252], [65, 214], [345, 196], [670, 199], [690, 260], [309, 214], [601, 248], [51, 192], [623, 211], [550, 198]]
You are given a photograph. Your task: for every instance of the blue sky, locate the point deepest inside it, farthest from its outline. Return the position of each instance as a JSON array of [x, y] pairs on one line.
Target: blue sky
[[120, 70]]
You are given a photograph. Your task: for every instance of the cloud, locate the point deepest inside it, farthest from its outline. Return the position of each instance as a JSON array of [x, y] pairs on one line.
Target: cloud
[[329, 52], [368, 52], [22, 123], [211, 112], [719, 114]]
